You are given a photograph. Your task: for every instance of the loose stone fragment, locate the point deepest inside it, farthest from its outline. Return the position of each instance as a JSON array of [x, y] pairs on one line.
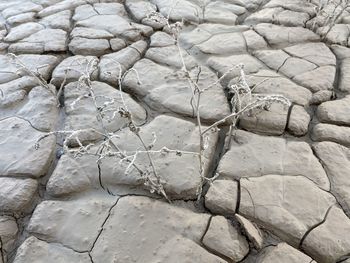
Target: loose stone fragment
[[224, 239], [221, 197]]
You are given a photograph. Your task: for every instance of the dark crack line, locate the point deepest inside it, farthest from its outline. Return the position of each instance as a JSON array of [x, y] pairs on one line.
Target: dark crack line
[[102, 226], [209, 249], [238, 202], [2, 250], [312, 228]]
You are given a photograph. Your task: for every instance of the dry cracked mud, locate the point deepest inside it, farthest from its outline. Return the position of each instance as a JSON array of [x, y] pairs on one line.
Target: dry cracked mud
[[282, 186]]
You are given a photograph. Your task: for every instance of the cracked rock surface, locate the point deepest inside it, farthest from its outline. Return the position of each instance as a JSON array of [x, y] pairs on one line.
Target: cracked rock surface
[[96, 96]]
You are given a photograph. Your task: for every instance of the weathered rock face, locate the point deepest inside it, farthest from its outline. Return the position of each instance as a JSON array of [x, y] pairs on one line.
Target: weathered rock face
[[274, 202], [140, 229], [16, 194], [222, 238], [8, 233], [70, 222], [253, 156], [329, 241], [335, 112], [336, 161], [19, 156], [283, 252], [221, 197], [35, 250], [75, 172]]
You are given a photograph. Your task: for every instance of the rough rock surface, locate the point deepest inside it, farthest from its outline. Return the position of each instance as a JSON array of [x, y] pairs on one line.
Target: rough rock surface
[[100, 106], [225, 240]]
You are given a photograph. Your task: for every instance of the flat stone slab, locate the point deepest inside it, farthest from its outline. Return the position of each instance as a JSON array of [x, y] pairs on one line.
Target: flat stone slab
[[81, 112], [41, 64], [329, 242], [253, 156], [18, 154], [35, 250], [141, 229], [166, 90], [16, 194], [73, 223], [335, 112], [285, 205], [284, 252], [224, 239], [336, 161]]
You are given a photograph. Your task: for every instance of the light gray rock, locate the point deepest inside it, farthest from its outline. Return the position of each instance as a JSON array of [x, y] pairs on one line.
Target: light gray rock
[[221, 197], [344, 79], [321, 96], [336, 161], [338, 34], [321, 78], [299, 121], [117, 25], [224, 239], [67, 178], [22, 31], [279, 36], [88, 47], [39, 42], [112, 66], [141, 229], [274, 59], [166, 90], [161, 39], [282, 252], [8, 233], [252, 155], [21, 19], [83, 12], [252, 231], [110, 8], [333, 133], [16, 194], [222, 13], [335, 112], [81, 115], [329, 242], [72, 68], [227, 43], [272, 121], [35, 250], [205, 31], [28, 6], [37, 105], [265, 15], [60, 20], [228, 65], [18, 153], [61, 6], [184, 9], [183, 249], [117, 44], [170, 56], [179, 172], [41, 64], [92, 33], [74, 223], [254, 41], [140, 9], [295, 5], [317, 53], [269, 82], [284, 205]]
